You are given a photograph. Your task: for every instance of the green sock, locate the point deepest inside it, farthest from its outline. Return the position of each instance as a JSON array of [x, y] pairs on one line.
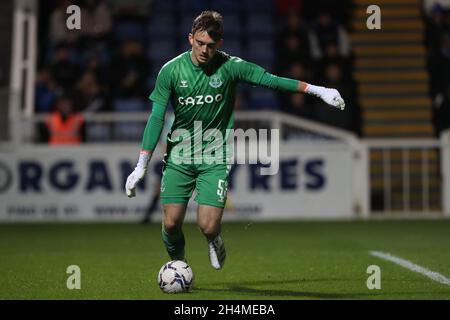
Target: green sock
[[174, 244]]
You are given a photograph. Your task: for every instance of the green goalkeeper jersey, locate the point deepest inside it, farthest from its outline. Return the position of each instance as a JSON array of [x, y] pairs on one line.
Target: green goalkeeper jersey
[[203, 97]]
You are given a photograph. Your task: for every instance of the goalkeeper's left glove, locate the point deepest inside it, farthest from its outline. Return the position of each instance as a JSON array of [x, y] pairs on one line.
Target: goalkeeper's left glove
[[137, 174], [329, 95]]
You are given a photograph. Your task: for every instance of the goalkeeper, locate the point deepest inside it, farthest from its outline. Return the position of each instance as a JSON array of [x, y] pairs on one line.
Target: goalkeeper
[[200, 84]]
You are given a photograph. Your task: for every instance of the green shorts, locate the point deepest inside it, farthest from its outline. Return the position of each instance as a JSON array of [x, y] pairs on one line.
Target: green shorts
[[210, 181]]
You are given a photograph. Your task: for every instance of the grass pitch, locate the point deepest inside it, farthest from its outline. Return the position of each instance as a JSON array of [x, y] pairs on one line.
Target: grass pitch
[[289, 260]]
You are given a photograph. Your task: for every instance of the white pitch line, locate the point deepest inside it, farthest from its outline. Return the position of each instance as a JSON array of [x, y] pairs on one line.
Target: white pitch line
[[412, 266]]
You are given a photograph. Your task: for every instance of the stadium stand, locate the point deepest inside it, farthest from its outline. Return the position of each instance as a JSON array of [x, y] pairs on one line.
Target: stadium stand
[[437, 39], [121, 62], [391, 68], [399, 74]]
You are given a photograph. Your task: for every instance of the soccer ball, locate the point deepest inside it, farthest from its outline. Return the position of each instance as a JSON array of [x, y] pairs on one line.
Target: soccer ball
[[175, 276]]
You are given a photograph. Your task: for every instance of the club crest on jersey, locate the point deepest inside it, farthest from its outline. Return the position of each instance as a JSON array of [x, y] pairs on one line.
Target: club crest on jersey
[[183, 84], [215, 81]]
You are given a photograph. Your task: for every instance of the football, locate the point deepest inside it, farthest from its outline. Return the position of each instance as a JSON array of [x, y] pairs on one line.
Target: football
[[175, 277]]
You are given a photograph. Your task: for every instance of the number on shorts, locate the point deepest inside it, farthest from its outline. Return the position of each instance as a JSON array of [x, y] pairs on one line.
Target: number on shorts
[[221, 190]]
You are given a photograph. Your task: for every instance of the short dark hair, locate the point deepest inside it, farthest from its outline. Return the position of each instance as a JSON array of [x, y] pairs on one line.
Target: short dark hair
[[211, 22]]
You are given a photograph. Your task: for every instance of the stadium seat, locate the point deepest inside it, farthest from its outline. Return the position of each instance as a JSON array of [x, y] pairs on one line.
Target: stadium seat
[[151, 78], [131, 104], [129, 30], [98, 132], [193, 7], [163, 24], [262, 98], [164, 6], [260, 50], [129, 131], [232, 25], [232, 46], [257, 5], [226, 6], [185, 25], [184, 44], [260, 24], [161, 49]]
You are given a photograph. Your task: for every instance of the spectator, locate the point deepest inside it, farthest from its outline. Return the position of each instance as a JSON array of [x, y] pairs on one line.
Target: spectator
[[332, 56], [293, 24], [324, 31], [298, 70], [438, 51], [64, 71], [441, 111], [295, 44], [434, 29], [341, 119], [88, 93], [97, 19], [59, 34], [286, 6], [45, 91], [341, 9], [130, 70], [440, 68], [99, 69], [429, 5], [64, 126], [292, 49], [299, 105], [131, 9]]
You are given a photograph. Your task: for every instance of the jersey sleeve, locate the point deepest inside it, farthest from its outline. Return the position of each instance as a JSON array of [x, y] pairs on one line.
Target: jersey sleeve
[[163, 88], [154, 127], [256, 75], [246, 71]]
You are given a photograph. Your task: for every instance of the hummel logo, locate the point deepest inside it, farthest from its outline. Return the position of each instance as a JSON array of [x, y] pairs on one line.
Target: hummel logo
[[183, 84]]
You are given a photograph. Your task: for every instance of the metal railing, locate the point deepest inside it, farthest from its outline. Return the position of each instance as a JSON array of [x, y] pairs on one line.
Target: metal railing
[[120, 127], [392, 177], [405, 176]]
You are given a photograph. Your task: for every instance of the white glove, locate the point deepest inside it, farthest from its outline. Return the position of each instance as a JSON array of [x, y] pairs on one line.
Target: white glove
[[137, 174], [330, 96]]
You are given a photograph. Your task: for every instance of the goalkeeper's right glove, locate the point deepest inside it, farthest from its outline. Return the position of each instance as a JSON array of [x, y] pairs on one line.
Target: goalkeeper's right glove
[[137, 174]]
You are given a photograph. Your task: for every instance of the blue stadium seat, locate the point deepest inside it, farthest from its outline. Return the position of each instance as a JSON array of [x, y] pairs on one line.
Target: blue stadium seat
[[260, 49], [98, 132], [185, 24], [131, 104], [129, 30], [184, 44], [164, 6], [151, 78], [262, 98], [194, 7], [260, 24], [161, 49], [232, 25], [129, 131], [257, 5], [163, 24], [226, 6], [232, 46]]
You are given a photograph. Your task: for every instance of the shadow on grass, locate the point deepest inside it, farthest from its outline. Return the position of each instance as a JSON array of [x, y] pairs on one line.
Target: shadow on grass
[[245, 289]]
